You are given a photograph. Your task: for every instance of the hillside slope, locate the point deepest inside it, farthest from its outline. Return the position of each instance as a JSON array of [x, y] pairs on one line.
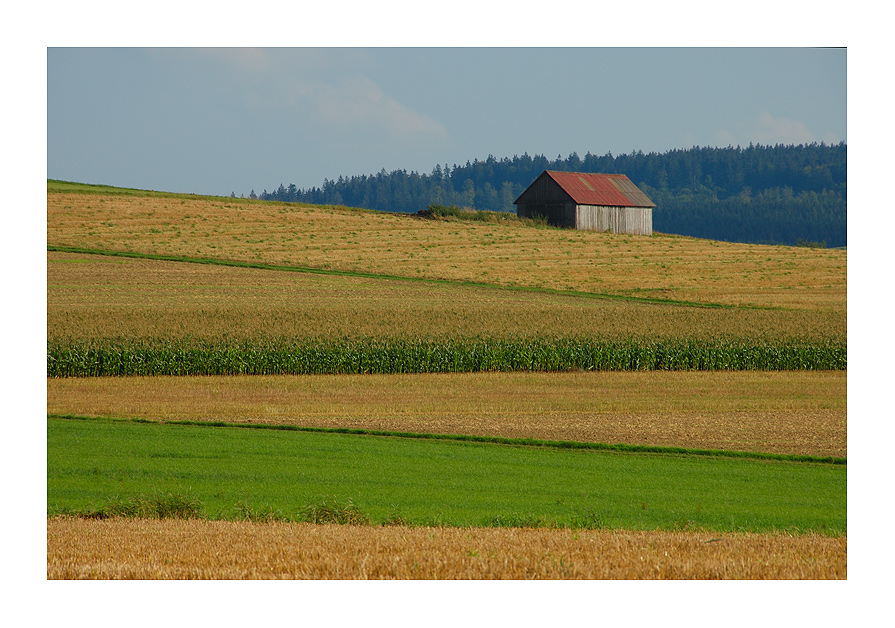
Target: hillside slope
[[665, 267]]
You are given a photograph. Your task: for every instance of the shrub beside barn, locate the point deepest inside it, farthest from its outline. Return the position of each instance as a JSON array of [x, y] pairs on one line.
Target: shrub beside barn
[[588, 201]]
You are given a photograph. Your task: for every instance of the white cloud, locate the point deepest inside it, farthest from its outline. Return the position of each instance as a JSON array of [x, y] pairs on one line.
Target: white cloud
[[326, 89], [723, 137], [767, 130], [771, 130], [358, 102], [831, 138]]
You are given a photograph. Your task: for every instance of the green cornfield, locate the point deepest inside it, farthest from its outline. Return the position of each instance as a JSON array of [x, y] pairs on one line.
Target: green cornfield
[[303, 356]]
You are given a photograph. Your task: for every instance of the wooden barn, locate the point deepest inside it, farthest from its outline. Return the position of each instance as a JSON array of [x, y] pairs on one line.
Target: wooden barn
[[589, 201]]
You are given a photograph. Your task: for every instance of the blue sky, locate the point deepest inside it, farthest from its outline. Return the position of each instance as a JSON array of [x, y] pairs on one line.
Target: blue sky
[[221, 120]]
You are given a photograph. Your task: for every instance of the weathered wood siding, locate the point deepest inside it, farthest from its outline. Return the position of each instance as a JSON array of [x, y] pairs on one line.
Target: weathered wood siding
[[634, 220], [544, 191], [559, 214], [545, 199]]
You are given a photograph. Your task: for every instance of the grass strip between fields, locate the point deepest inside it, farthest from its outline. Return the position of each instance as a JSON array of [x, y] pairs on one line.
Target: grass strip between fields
[[496, 440], [364, 275]]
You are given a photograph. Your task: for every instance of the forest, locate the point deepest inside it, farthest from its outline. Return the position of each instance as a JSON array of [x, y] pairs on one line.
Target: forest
[[782, 194]]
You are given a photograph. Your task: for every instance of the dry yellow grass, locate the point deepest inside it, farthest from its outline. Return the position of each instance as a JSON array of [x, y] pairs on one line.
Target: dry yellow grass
[[664, 266], [95, 296], [802, 412], [198, 549]]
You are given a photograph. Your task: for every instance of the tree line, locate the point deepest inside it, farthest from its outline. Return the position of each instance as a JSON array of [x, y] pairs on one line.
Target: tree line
[[782, 194]]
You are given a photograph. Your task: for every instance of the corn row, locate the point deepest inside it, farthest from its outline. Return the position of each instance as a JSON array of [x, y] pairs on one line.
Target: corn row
[[122, 357]]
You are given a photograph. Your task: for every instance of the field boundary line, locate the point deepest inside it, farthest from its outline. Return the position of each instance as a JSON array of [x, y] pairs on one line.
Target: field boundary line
[[364, 275], [471, 438]]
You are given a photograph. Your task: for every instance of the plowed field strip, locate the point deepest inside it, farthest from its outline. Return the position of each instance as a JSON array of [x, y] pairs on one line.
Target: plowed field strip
[[172, 549], [781, 412]]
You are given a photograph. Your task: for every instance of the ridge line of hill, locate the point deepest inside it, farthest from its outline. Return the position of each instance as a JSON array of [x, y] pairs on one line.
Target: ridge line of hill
[[366, 275]]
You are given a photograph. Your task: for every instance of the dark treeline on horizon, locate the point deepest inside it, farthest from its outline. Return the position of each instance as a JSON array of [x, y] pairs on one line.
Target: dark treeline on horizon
[[757, 194]]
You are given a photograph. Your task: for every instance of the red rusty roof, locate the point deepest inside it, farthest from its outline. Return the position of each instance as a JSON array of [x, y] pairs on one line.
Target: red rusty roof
[[588, 188]]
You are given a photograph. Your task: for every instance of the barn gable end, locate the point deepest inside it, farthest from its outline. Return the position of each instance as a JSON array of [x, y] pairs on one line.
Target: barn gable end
[[588, 201]]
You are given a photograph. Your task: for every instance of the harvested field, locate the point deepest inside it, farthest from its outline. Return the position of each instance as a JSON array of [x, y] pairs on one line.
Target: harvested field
[[92, 296], [199, 549], [671, 267], [801, 412]]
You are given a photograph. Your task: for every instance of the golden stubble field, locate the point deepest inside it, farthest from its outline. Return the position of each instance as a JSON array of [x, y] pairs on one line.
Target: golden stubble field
[[801, 412], [670, 267], [93, 296], [195, 549]]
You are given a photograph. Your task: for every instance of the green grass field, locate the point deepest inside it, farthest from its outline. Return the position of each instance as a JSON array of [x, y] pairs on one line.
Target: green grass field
[[234, 471]]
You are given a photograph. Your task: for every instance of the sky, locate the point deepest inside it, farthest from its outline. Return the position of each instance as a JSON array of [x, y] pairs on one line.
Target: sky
[[221, 120]]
